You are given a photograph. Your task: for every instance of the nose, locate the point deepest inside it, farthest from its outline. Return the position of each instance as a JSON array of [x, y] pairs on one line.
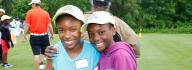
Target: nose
[[96, 38], [67, 35]]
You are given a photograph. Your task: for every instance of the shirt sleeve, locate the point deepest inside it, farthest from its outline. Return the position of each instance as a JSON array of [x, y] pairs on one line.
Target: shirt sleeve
[[27, 18], [124, 61], [128, 35], [48, 18], [126, 32]]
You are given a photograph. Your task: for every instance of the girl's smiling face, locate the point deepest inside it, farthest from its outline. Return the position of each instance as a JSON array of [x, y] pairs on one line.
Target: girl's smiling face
[[101, 35], [68, 29]]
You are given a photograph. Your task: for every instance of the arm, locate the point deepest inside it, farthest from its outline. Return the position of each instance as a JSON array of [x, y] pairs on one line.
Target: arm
[[9, 39], [49, 65], [124, 61], [128, 35], [49, 53], [51, 30], [136, 48], [12, 45], [26, 28]]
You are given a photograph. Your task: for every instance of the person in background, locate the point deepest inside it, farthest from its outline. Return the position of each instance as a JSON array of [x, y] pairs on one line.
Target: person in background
[[15, 33], [2, 12], [18, 30], [14, 30], [6, 41], [123, 29], [38, 22], [22, 28]]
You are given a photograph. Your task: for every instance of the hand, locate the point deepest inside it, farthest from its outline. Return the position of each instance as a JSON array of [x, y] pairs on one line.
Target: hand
[[51, 36], [11, 44], [24, 39], [50, 52]]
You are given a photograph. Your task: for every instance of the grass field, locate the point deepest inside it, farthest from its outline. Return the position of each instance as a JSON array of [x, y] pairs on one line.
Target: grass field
[[158, 52]]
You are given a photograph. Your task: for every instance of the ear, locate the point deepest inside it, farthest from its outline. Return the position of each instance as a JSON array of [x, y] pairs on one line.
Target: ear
[[113, 30]]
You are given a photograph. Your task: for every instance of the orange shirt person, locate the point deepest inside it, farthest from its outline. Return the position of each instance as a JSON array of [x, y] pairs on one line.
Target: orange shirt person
[[37, 22]]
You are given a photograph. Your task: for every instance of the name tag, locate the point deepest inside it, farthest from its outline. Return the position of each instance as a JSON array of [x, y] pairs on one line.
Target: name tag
[[81, 63]]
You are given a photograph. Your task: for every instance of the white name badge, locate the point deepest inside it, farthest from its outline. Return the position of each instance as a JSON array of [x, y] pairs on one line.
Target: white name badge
[[81, 63]]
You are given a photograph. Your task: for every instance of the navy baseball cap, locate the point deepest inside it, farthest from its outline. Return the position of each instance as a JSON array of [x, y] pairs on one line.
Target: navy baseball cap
[[101, 2]]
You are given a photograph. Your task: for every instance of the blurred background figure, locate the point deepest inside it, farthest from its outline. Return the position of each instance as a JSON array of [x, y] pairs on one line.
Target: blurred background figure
[[15, 29], [2, 12], [6, 41]]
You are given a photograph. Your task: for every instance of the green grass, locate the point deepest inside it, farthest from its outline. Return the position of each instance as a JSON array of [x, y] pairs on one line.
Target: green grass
[[166, 52], [21, 56], [158, 52]]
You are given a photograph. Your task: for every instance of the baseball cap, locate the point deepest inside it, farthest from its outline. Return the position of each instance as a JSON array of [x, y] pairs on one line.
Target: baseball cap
[[4, 17], [101, 2], [71, 10], [99, 17], [35, 1], [2, 10]]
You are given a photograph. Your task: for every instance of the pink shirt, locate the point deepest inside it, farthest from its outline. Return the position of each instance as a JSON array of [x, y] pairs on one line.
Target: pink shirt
[[120, 56]]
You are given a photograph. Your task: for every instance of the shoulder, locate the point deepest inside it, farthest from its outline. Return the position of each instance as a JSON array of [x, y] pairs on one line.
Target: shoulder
[[46, 14], [120, 53], [29, 11], [90, 48], [44, 11], [121, 56], [122, 48], [88, 45], [121, 44], [118, 20]]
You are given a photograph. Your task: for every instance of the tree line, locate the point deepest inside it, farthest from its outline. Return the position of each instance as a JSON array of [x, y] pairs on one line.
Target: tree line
[[151, 15]]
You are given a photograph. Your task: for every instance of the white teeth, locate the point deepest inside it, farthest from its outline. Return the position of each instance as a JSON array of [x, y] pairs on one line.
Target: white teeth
[[99, 44], [68, 42]]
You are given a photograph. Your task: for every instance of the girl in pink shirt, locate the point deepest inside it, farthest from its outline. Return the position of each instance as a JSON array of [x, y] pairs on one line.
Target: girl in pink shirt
[[115, 55]]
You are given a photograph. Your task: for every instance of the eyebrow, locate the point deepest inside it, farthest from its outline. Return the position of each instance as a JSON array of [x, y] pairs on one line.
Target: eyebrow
[[67, 27]]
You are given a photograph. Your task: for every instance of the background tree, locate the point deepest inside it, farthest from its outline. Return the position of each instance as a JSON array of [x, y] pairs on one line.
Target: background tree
[[155, 15], [128, 10], [6, 5]]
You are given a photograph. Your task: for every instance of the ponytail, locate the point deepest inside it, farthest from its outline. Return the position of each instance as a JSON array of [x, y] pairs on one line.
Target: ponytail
[[116, 37]]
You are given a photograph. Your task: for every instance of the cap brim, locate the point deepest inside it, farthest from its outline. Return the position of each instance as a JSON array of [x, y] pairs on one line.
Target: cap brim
[[84, 27], [56, 16], [1, 10], [96, 21], [64, 12], [6, 18]]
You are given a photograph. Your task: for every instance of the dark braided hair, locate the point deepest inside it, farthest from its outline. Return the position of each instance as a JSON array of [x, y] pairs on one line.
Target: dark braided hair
[[116, 37]]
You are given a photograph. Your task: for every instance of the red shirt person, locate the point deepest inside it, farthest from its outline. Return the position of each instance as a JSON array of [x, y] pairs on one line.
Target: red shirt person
[[38, 23]]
